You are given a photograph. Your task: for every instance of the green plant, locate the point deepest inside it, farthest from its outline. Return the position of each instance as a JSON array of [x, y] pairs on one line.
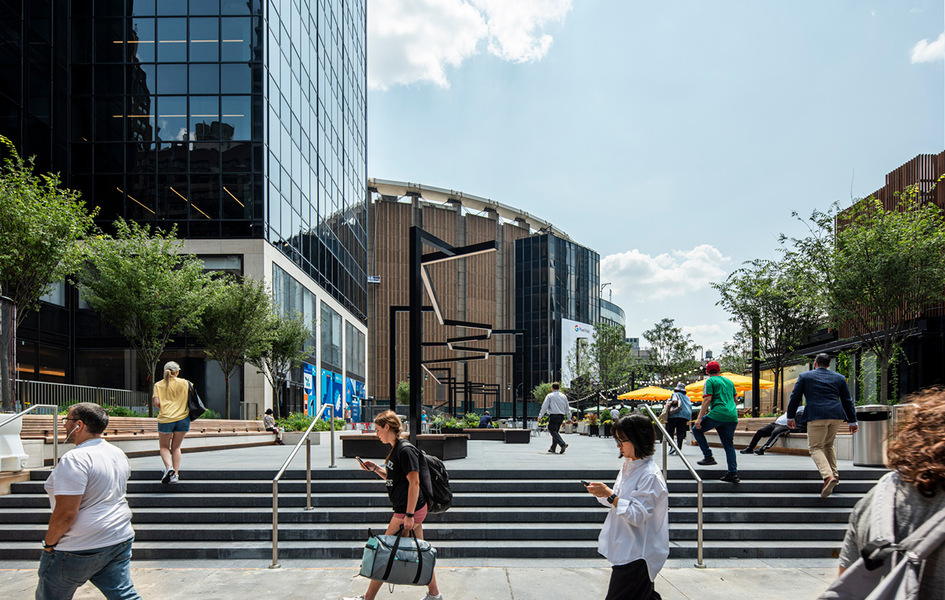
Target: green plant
[[209, 414], [470, 420], [119, 411], [295, 422]]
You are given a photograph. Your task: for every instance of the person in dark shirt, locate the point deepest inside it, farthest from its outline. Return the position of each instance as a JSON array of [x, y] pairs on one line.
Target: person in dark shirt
[[485, 420], [401, 472]]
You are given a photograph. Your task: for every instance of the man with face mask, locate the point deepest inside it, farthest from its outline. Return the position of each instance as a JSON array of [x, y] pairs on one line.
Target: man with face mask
[[89, 534]]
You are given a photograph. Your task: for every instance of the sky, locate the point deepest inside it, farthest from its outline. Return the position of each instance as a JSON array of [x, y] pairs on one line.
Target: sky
[[674, 138]]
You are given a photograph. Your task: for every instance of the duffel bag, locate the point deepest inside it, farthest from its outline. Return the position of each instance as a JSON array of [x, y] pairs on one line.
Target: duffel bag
[[398, 560]]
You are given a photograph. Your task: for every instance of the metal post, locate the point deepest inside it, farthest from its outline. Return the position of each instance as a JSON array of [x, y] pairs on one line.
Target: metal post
[[416, 331], [755, 371], [308, 473], [55, 460], [275, 525], [332, 443], [392, 362], [700, 564]]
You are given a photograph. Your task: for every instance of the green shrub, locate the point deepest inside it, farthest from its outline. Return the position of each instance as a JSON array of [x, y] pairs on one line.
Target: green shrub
[[301, 421], [209, 414], [470, 420]]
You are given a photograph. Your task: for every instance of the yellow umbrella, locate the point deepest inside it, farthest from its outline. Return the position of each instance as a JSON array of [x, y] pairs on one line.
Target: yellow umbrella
[[742, 385], [648, 394]]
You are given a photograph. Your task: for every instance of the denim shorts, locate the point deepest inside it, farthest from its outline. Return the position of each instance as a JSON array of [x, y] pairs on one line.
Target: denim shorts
[[183, 426]]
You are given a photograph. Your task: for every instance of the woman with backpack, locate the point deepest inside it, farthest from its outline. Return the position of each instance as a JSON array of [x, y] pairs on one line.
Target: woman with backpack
[[678, 415], [401, 471]]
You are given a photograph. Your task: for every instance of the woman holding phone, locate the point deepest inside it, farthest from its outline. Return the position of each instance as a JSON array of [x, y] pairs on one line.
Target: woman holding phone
[[635, 535], [401, 471]]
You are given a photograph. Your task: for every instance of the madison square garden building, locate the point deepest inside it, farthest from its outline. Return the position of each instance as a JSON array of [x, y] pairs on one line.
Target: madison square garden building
[[243, 122]]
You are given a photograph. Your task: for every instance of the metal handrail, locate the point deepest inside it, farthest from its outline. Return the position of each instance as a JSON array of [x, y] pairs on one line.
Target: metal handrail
[[55, 416], [700, 564], [308, 478]]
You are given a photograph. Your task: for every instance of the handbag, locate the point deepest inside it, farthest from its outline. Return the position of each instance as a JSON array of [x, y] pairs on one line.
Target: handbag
[[872, 577], [195, 406], [398, 560]]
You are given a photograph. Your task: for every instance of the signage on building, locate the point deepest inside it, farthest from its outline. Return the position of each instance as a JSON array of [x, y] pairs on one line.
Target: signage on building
[[576, 338]]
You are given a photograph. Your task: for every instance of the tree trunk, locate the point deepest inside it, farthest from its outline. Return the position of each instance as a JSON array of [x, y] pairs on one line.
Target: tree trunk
[[226, 390], [152, 365], [275, 400]]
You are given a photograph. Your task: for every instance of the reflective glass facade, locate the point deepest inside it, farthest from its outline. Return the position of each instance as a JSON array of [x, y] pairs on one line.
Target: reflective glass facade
[[554, 279]]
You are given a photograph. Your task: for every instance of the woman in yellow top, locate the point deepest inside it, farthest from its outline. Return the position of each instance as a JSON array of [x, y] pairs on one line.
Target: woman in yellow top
[[170, 396]]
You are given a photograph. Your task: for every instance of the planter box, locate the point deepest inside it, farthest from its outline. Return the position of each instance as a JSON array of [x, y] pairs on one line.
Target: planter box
[[517, 436], [451, 430], [593, 430], [367, 445], [496, 435], [292, 438]]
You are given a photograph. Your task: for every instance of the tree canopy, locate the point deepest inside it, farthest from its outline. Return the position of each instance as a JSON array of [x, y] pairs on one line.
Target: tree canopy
[[139, 281], [285, 350], [41, 224], [672, 352]]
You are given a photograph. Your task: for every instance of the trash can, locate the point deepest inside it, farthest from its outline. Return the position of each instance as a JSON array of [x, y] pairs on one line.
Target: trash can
[[869, 442]]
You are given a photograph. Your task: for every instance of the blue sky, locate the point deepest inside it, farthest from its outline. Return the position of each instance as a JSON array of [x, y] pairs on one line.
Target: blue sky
[[674, 138]]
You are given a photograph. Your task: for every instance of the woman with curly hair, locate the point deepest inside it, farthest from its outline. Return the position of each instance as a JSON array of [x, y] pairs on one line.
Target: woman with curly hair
[[917, 459]]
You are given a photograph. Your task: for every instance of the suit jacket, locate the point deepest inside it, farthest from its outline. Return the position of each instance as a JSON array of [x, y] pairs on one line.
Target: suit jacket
[[826, 396]]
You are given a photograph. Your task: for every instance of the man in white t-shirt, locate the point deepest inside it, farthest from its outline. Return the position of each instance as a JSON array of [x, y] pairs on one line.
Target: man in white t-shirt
[[89, 534]]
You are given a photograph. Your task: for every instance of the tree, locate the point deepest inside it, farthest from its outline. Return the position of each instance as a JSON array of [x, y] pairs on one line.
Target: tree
[[234, 326], [671, 352], [140, 282], [736, 354], [40, 227], [772, 299], [886, 267], [606, 363], [403, 392], [285, 350], [541, 390]]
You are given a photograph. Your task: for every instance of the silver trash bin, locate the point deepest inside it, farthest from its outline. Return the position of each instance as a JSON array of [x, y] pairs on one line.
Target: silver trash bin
[[869, 442]]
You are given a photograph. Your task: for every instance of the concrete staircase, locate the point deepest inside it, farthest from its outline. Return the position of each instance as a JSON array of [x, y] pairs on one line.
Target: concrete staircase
[[495, 514]]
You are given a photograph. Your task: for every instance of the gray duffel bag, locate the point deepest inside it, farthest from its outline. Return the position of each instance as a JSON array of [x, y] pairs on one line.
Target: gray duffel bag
[[398, 560]]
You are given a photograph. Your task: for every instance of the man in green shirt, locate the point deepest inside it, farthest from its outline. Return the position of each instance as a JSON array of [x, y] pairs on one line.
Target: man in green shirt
[[718, 412]]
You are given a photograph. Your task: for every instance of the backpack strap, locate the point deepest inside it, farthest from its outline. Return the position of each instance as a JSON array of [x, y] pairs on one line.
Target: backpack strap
[[393, 554], [917, 546]]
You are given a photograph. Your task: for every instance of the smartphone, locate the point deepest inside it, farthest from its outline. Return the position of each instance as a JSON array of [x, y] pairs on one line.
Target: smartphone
[[585, 483], [359, 460]]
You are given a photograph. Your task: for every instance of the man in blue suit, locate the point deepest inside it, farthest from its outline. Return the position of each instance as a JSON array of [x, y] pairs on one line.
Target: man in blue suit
[[828, 407]]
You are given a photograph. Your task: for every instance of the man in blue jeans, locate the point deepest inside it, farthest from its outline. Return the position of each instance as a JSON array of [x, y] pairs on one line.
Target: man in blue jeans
[[718, 412], [89, 534]]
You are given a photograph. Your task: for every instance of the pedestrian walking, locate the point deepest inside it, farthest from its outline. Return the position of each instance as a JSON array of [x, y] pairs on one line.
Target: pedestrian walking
[[679, 415], [917, 495], [401, 471], [827, 407], [718, 412], [635, 535], [556, 407], [89, 534], [170, 396]]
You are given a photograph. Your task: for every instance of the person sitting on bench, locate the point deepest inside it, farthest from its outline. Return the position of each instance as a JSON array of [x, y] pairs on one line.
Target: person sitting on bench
[[270, 424], [775, 430]]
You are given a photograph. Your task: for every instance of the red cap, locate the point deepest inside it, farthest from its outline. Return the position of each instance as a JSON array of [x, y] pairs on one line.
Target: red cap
[[713, 367]]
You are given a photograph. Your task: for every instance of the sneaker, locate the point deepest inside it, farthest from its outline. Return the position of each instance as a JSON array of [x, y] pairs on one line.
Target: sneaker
[[565, 447], [672, 451], [746, 451], [829, 484], [551, 451], [760, 451], [706, 461], [437, 597], [168, 473], [361, 597], [731, 478], [175, 478]]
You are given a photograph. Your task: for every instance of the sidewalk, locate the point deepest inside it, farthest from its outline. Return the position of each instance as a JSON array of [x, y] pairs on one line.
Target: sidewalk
[[547, 582]]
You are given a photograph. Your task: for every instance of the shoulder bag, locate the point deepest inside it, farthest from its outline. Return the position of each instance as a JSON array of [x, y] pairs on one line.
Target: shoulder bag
[[195, 406]]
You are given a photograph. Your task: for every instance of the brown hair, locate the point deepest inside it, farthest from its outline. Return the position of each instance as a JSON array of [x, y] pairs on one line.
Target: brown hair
[[392, 421], [918, 453]]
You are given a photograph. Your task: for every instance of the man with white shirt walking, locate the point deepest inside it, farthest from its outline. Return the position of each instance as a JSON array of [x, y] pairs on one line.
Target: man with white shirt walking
[[557, 409], [89, 534]]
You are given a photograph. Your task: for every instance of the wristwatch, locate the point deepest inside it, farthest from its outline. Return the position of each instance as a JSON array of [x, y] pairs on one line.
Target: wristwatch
[[611, 498], [47, 546]]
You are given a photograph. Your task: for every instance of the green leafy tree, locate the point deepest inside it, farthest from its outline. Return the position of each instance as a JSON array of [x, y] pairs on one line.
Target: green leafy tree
[[605, 363], [772, 299], [736, 354], [285, 350], [885, 268], [140, 282], [403, 392], [234, 326], [541, 390], [41, 224], [672, 352]]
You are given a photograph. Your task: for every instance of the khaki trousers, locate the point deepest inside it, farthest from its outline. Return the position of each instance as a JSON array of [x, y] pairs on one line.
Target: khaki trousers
[[820, 437]]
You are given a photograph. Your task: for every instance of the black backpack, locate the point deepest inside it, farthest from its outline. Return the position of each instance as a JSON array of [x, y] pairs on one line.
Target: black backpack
[[436, 484]]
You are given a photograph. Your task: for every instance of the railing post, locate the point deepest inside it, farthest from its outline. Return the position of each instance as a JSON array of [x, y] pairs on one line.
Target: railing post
[[700, 564], [332, 465], [308, 474], [275, 525], [55, 460]]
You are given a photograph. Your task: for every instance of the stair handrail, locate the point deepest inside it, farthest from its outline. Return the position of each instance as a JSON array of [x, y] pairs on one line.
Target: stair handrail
[[55, 416], [308, 477], [700, 564]]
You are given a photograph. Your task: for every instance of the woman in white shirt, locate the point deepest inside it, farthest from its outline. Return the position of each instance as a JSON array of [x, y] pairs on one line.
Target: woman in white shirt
[[635, 536]]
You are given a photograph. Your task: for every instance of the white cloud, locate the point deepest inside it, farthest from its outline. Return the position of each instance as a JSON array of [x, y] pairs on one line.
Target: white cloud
[[643, 277], [925, 51], [416, 40]]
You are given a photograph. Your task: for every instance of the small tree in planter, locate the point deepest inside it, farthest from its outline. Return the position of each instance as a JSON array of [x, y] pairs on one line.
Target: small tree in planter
[[592, 427]]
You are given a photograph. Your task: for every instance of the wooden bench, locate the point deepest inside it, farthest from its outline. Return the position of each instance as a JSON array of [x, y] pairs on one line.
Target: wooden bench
[[445, 446], [139, 428]]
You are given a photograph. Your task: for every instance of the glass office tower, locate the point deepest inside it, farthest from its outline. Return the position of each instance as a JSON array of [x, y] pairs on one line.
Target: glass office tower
[[231, 119], [555, 279]]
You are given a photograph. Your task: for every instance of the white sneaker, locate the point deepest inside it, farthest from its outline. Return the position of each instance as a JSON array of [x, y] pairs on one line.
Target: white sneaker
[[361, 597], [437, 597], [166, 477], [175, 478]]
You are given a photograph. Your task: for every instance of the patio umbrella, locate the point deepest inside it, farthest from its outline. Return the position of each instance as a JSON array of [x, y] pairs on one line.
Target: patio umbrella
[[647, 394], [742, 385]]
